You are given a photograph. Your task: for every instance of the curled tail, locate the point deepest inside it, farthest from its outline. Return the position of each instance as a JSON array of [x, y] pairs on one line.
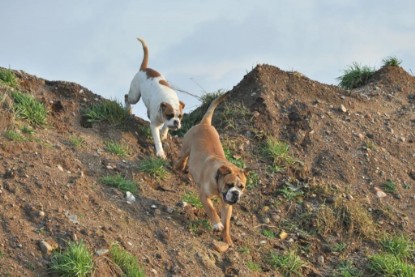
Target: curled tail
[[144, 63], [207, 118]]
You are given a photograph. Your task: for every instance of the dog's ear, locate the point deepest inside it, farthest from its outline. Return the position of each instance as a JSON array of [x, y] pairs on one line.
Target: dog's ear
[[224, 170], [163, 105], [182, 105]]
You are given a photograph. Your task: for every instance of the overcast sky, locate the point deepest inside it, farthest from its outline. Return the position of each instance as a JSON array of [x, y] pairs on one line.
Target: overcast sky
[[201, 46]]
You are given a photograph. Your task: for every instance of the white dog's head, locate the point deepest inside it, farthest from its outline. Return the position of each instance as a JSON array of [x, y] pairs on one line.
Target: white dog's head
[[172, 117]]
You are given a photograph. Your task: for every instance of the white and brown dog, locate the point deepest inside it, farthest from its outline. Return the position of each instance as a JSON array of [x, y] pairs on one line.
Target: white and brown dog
[[214, 174], [164, 109]]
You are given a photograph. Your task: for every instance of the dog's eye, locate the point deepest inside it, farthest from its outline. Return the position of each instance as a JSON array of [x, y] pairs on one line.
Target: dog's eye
[[230, 185], [169, 116], [180, 116]]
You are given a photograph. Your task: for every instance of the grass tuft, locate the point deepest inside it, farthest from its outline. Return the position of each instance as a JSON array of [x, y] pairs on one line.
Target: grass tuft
[[109, 111], [14, 136], [288, 264], [119, 182], [278, 152], [399, 246], [355, 76], [156, 167], [116, 148], [391, 61], [74, 261], [28, 108], [126, 261], [389, 265], [193, 199], [8, 78]]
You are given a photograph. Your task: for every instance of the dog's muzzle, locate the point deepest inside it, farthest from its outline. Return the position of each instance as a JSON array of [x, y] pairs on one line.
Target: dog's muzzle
[[232, 196], [175, 126]]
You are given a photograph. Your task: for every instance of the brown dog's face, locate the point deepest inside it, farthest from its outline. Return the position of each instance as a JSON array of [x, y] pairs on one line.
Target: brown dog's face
[[231, 182]]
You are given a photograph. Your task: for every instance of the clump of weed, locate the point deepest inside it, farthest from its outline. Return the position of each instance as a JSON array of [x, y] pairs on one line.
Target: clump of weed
[[199, 226], [126, 261], [193, 199], [253, 180], [76, 141], [156, 167], [28, 108], [288, 264], [347, 269], [119, 182], [109, 111], [290, 192], [398, 245], [14, 136], [236, 160], [76, 260], [389, 265], [232, 111], [116, 148], [391, 61], [252, 266], [268, 233], [8, 78], [355, 76], [278, 152], [389, 186]]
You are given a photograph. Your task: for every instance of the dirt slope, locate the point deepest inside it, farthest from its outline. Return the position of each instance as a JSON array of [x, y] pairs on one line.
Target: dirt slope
[[348, 144]]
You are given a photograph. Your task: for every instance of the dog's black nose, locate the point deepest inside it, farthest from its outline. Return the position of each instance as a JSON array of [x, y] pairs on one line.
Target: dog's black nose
[[176, 123]]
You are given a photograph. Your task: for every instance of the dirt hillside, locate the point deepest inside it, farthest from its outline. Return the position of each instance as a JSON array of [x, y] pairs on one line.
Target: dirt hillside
[[344, 146]]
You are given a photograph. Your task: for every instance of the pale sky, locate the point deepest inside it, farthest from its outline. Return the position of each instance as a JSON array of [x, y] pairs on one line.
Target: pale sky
[[200, 46]]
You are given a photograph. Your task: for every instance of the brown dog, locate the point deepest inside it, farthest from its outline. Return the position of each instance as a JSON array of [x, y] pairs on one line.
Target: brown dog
[[215, 176]]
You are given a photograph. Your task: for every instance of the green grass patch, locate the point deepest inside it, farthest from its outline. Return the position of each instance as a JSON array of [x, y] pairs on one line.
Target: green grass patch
[[8, 78], [391, 61], [126, 261], [28, 108], [193, 199], [116, 148], [347, 269], [156, 167], [233, 111], [252, 266], [278, 152], [290, 192], [119, 182], [389, 186], [76, 141], [253, 180], [14, 136], [236, 160], [389, 265], [108, 111], [76, 260], [399, 246], [355, 76], [199, 226], [268, 233], [288, 264]]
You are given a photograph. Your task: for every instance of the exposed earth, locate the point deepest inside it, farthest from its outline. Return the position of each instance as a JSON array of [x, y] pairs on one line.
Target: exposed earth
[[346, 145]]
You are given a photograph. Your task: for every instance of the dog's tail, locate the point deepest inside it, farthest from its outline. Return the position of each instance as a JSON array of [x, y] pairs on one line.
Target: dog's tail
[[207, 118], [144, 63]]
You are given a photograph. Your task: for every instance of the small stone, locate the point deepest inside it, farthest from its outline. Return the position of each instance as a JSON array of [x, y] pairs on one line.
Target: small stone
[[320, 260], [153, 206], [41, 214], [266, 220], [45, 247], [101, 252], [170, 210], [60, 167], [129, 197], [342, 108], [380, 193], [283, 235]]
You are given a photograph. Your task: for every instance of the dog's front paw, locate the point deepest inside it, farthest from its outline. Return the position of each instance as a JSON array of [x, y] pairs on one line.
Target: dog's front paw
[[161, 155], [218, 226]]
